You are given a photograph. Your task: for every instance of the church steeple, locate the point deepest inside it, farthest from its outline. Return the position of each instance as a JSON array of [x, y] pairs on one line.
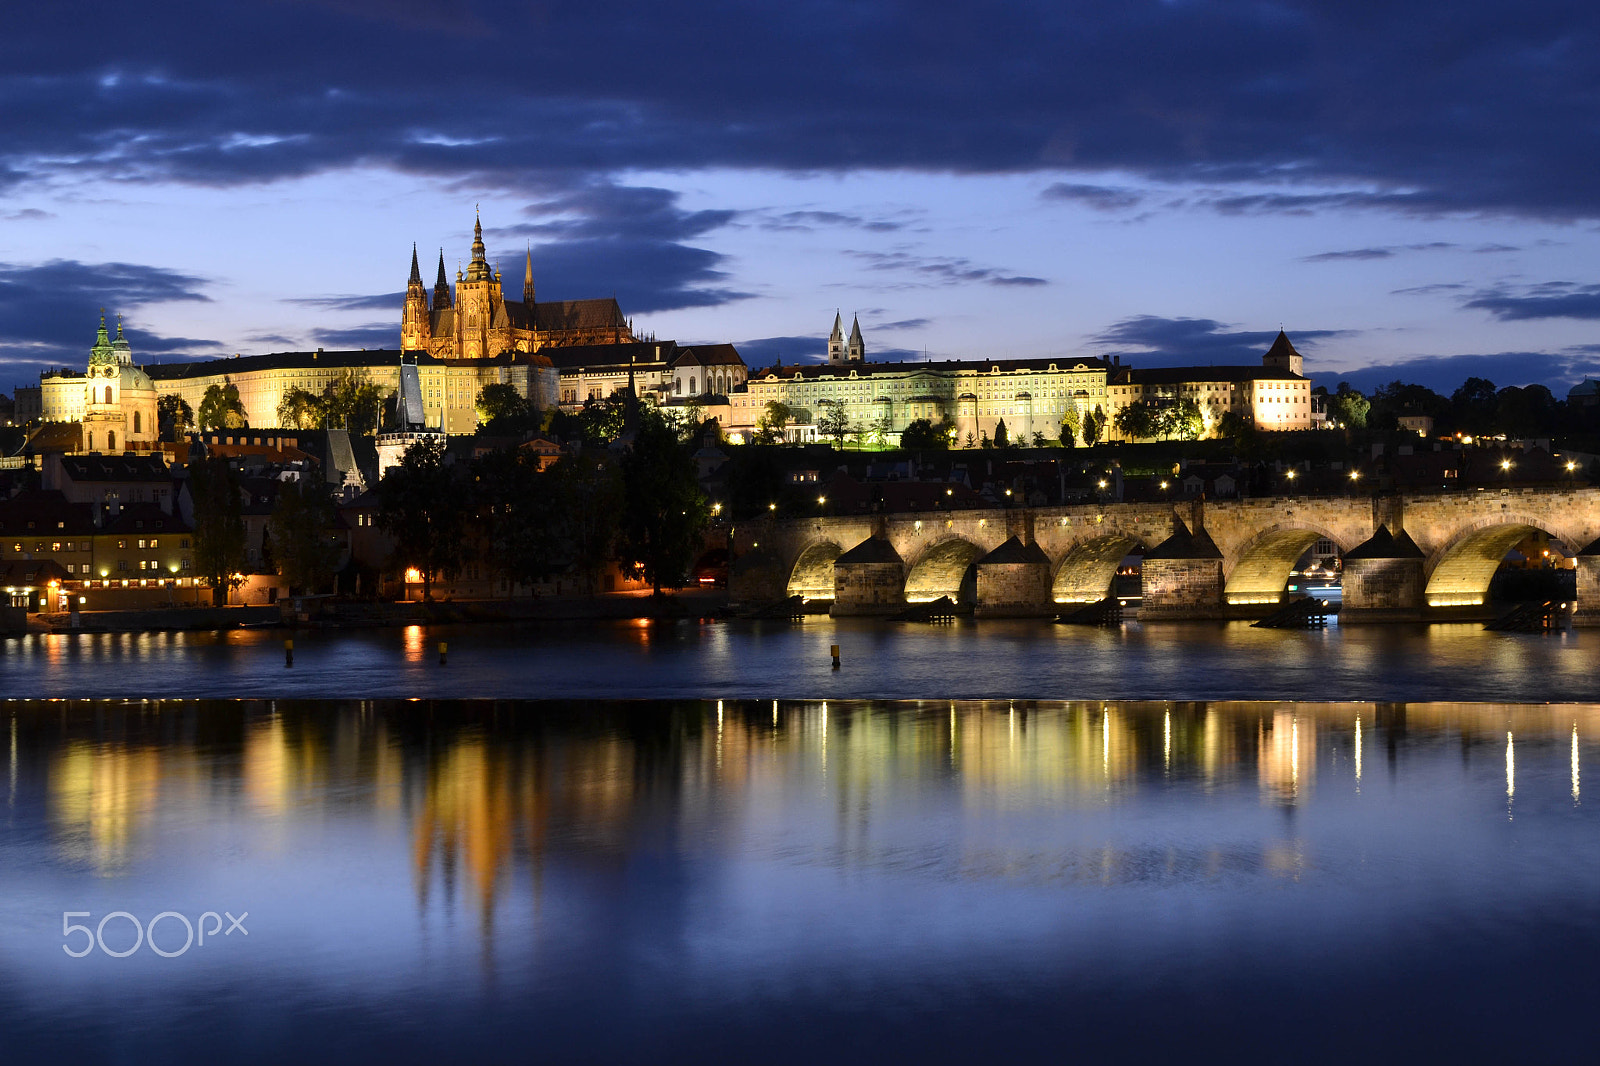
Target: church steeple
[[858, 347], [478, 269], [836, 340], [527, 281], [102, 352], [441, 288], [415, 322]]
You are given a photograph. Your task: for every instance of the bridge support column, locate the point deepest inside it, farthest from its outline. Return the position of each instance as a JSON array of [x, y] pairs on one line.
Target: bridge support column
[[1182, 578], [869, 579], [757, 576], [1587, 611], [1014, 582], [1383, 580]]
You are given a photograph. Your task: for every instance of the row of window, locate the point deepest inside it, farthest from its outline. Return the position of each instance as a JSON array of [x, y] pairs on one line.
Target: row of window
[[85, 545]]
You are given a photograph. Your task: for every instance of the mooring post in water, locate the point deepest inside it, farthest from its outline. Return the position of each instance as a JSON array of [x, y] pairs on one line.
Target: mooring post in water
[[833, 649], [444, 652], [288, 652]]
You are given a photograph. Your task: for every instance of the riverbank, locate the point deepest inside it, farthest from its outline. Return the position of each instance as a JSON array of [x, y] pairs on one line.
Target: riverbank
[[332, 614]]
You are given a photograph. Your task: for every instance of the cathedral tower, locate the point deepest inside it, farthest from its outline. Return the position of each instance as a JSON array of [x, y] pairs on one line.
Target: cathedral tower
[[415, 328], [836, 340], [477, 301], [858, 348]]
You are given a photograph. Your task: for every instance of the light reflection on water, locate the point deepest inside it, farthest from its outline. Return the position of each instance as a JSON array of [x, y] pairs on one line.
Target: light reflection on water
[[622, 881], [758, 660]]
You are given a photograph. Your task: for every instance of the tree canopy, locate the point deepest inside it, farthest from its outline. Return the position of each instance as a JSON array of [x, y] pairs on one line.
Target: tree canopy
[[221, 408]]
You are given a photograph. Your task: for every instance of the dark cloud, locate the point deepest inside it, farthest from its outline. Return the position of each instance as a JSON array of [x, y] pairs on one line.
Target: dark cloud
[[1429, 290], [49, 311], [1196, 341], [387, 301], [1383, 252], [1293, 106], [904, 323], [930, 270], [1552, 299], [806, 221], [1099, 197], [372, 335], [1558, 371], [28, 214], [763, 351]]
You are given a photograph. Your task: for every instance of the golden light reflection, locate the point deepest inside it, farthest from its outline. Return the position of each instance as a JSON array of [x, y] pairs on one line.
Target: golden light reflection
[[100, 798], [414, 640], [1282, 769], [1511, 767], [1358, 753], [1166, 742], [1574, 762]]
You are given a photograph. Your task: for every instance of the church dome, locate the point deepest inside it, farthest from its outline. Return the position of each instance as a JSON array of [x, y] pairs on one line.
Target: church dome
[[134, 379]]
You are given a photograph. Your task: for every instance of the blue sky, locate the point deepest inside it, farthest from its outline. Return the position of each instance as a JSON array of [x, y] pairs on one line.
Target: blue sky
[[1407, 188]]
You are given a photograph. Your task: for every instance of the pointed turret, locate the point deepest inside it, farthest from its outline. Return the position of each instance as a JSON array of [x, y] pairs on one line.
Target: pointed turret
[[416, 271], [1282, 356], [527, 280], [441, 288], [102, 352], [836, 340], [858, 347], [120, 347]]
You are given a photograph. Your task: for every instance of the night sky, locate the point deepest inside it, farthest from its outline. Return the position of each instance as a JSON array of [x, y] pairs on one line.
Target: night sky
[[1411, 190]]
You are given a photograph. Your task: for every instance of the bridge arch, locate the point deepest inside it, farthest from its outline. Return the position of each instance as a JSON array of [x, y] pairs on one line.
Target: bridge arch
[[812, 574], [1460, 572], [1087, 570], [1261, 569], [945, 569]]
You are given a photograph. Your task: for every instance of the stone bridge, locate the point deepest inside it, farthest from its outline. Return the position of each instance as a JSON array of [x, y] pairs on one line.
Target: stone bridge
[[1406, 557]]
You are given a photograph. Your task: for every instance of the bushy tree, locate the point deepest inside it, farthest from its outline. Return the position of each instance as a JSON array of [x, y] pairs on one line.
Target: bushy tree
[[664, 512], [174, 417], [1348, 407], [221, 408], [834, 422], [501, 405], [306, 548], [219, 536], [299, 409], [353, 403], [1002, 437], [1137, 421], [1474, 407], [1093, 426], [421, 505], [1180, 419], [923, 435], [584, 502]]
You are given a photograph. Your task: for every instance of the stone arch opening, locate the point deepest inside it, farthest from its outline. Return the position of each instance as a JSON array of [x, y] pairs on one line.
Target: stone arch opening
[[1087, 570], [1262, 570], [812, 576], [946, 569], [1463, 570]]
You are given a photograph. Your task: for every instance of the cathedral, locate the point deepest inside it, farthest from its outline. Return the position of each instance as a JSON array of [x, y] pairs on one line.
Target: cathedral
[[478, 322]]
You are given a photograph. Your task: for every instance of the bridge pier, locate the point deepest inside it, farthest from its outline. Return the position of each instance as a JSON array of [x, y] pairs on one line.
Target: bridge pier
[[1586, 612], [869, 579], [1014, 582], [1182, 578], [1383, 580]]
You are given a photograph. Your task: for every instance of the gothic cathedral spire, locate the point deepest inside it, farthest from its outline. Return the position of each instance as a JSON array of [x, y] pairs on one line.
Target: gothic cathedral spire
[[836, 340], [527, 281], [441, 288], [858, 347], [415, 322]]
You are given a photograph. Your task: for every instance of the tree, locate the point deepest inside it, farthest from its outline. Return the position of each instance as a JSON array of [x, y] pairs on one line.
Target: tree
[[304, 550], [664, 512], [221, 408], [602, 421], [769, 430], [921, 435], [299, 409], [1093, 423], [1181, 419], [174, 417], [584, 499], [1474, 406], [501, 403], [1069, 434], [419, 503], [352, 403], [1137, 421], [877, 432], [219, 537], [1002, 438], [834, 424], [1348, 407], [1039, 439]]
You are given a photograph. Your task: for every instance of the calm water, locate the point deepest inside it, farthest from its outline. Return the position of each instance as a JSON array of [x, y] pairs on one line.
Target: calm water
[[750, 881], [734, 660]]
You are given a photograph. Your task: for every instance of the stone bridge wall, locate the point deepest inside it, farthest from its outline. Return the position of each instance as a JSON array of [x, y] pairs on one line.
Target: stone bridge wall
[[1462, 536]]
